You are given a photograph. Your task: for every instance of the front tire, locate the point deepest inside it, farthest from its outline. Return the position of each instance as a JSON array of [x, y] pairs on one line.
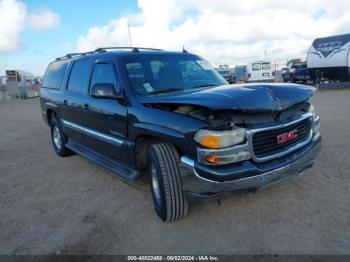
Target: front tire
[[59, 139], [168, 198]]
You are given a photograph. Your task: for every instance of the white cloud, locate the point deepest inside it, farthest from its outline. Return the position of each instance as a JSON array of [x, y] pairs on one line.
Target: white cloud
[[14, 19], [225, 31], [43, 19]]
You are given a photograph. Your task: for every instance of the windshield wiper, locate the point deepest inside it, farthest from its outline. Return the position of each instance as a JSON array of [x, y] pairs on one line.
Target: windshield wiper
[[171, 89], [206, 85], [165, 90]]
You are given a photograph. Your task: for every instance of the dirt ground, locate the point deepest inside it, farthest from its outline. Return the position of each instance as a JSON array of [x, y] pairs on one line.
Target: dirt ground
[[68, 205]]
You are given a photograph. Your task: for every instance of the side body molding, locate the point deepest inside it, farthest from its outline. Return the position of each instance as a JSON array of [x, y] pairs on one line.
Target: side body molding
[[92, 133]]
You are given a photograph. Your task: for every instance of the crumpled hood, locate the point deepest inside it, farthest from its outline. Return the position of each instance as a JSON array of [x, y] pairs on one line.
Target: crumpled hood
[[253, 97]]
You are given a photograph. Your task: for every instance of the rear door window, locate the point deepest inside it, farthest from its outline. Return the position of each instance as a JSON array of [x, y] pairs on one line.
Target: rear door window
[[54, 74], [256, 67], [79, 76], [266, 66]]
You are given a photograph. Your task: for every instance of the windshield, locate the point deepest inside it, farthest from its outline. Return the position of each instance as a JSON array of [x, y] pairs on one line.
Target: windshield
[[153, 74]]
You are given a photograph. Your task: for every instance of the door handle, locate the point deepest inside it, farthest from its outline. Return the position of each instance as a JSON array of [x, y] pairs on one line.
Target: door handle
[[65, 102], [86, 107]]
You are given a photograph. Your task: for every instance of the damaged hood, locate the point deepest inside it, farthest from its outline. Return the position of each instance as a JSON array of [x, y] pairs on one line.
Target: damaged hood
[[243, 97]]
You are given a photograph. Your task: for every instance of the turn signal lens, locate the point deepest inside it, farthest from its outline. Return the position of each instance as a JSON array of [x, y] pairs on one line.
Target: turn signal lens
[[220, 139], [229, 158], [210, 141], [213, 159]]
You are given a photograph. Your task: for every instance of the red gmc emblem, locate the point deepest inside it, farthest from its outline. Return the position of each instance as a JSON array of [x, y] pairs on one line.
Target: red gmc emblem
[[283, 138]]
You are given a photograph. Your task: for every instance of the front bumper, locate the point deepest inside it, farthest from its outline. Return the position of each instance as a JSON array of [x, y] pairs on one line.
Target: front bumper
[[197, 186]]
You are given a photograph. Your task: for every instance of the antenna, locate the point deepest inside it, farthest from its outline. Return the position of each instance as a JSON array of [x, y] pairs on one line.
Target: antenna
[[184, 50], [130, 42]]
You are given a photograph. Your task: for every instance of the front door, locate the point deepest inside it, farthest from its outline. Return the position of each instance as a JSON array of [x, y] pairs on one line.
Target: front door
[[106, 120]]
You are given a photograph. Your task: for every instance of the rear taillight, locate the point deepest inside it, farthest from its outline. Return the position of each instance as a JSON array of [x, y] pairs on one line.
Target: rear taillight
[[249, 75], [273, 73]]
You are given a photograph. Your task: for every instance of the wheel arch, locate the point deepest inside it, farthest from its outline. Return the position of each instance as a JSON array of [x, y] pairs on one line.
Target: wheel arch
[[50, 114], [142, 144]]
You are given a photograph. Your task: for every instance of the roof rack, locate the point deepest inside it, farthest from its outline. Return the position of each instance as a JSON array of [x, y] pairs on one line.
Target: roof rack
[[134, 49], [70, 55], [104, 49]]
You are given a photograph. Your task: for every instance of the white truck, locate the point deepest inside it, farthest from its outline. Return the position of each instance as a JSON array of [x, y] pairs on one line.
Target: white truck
[[261, 71]]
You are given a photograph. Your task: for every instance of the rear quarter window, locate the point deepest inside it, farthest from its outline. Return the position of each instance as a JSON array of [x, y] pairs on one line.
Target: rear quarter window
[[54, 74]]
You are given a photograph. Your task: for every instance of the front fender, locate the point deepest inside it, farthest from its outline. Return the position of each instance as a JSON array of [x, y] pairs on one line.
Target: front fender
[[157, 131]]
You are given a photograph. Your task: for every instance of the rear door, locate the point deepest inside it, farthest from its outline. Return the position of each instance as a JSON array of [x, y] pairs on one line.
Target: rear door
[[75, 99], [255, 72], [106, 120], [266, 71], [300, 72]]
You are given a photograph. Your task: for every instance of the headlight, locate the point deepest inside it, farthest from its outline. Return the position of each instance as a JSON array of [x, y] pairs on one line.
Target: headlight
[[312, 111], [315, 120], [220, 139]]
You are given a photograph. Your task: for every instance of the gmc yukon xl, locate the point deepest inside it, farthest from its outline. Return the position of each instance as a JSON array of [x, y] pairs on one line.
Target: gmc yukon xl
[[170, 115]]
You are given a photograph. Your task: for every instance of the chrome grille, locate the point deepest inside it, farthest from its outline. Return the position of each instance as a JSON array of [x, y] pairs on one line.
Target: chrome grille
[[265, 142]]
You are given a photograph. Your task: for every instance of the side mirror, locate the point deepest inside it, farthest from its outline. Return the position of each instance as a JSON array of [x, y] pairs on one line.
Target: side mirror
[[104, 90]]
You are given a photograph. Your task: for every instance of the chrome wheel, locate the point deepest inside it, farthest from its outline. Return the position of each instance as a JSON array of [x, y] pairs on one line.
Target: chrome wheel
[[155, 183], [56, 137]]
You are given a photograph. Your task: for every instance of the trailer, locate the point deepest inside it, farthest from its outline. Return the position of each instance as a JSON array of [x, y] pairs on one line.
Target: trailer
[[19, 83], [328, 58]]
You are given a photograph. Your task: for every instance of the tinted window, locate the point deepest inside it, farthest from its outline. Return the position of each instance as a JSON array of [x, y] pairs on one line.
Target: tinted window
[[79, 76], [103, 74], [256, 67], [54, 74], [149, 74]]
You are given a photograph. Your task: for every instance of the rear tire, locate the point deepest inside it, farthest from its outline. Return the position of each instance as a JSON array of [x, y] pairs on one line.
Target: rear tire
[[59, 139], [168, 198]]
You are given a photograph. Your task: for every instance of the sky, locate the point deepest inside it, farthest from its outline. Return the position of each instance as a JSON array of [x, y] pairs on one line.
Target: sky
[[35, 32]]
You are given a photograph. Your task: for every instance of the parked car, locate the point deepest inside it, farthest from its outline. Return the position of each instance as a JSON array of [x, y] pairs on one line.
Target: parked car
[[241, 73], [285, 74], [299, 72], [227, 73], [261, 72], [172, 116]]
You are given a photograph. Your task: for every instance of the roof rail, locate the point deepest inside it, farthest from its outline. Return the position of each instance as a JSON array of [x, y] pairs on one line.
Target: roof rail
[[134, 49], [70, 55], [104, 49]]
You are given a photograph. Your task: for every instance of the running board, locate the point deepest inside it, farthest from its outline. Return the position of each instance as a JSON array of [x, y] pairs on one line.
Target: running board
[[108, 163]]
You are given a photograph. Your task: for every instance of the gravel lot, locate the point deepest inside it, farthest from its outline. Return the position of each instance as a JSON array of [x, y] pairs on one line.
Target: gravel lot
[[53, 205]]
